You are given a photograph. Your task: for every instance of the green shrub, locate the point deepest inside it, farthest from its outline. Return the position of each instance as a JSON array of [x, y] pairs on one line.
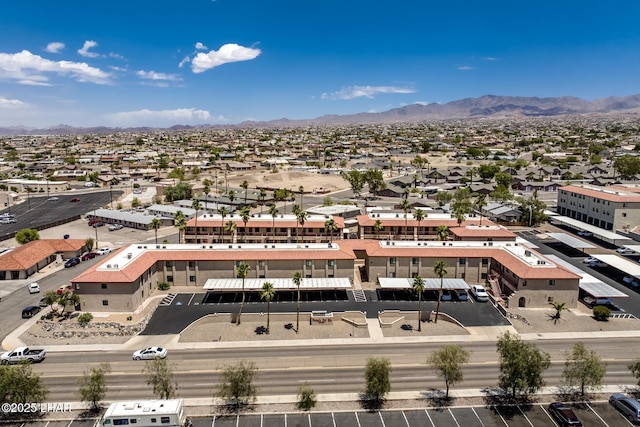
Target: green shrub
[[602, 313], [163, 286], [306, 398], [85, 318], [129, 318]]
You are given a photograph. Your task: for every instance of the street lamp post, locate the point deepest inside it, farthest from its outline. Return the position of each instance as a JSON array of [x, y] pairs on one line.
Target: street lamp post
[[94, 226], [28, 198]]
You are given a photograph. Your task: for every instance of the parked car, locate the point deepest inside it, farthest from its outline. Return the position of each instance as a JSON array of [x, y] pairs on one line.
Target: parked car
[[75, 200], [34, 288], [631, 280], [479, 293], [150, 353], [64, 288], [446, 295], [98, 224], [589, 260], [72, 262], [627, 405], [30, 311], [592, 301], [44, 302], [598, 264], [115, 227], [585, 233], [460, 295], [23, 354], [626, 251], [89, 255], [104, 251], [564, 415], [52, 199]]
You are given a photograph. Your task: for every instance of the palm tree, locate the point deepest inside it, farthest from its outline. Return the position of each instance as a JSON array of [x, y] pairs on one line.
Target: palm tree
[[442, 232], [301, 191], [418, 287], [267, 293], [406, 207], [297, 280], [197, 206], [330, 227], [440, 268], [262, 195], [559, 307], [245, 186], [301, 217], [295, 210], [419, 215], [223, 213], [470, 173], [245, 214], [155, 224], [180, 222], [460, 216], [273, 211], [242, 272], [232, 196], [206, 189], [481, 202], [377, 228], [230, 227]]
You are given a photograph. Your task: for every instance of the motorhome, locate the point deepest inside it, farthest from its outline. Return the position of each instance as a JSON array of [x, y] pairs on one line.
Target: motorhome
[[145, 413]]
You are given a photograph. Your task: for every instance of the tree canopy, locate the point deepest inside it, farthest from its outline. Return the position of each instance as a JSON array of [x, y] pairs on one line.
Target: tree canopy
[[521, 365], [160, 377], [583, 367], [27, 235], [92, 385], [377, 383], [236, 384], [18, 384], [448, 363], [627, 166], [181, 191]]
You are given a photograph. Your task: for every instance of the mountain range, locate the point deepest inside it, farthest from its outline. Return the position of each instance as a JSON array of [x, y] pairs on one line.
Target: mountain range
[[488, 106]]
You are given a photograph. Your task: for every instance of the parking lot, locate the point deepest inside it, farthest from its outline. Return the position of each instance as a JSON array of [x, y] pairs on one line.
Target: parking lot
[[536, 415]]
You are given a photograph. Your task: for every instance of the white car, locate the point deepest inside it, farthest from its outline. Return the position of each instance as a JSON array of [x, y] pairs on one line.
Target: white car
[[150, 353], [115, 227], [103, 251], [34, 288], [479, 293], [598, 264], [589, 260], [626, 251], [585, 233]]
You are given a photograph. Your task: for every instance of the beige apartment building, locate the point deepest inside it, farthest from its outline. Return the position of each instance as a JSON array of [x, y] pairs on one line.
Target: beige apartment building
[[611, 208]]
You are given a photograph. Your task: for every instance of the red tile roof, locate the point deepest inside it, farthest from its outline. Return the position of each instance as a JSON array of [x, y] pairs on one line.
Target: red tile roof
[[27, 255], [485, 232], [367, 221], [264, 222]]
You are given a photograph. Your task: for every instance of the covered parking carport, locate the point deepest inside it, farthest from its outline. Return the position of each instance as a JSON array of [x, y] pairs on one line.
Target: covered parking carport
[[605, 235], [401, 289], [311, 289], [571, 242]]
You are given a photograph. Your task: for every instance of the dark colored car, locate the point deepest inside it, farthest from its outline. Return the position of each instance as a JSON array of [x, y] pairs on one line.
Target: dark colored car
[[564, 415], [30, 311], [75, 199], [72, 262], [88, 256], [98, 224]]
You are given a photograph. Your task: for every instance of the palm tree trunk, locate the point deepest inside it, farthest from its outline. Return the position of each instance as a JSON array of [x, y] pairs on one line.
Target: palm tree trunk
[[438, 305], [241, 305], [298, 312], [419, 311], [156, 236], [196, 227], [268, 315]]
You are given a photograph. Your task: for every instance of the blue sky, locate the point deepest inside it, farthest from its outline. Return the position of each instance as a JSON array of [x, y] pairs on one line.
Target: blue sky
[[160, 63]]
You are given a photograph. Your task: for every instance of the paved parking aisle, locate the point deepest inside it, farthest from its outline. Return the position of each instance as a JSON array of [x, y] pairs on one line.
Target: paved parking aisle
[[610, 415], [345, 419], [513, 416], [201, 421], [537, 415], [293, 420], [441, 417], [322, 420], [418, 418], [224, 421], [253, 421], [89, 423], [368, 419], [466, 417], [394, 418], [489, 417], [587, 416]]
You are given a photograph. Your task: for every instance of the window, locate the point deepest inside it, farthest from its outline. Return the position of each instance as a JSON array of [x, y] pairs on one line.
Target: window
[[392, 261], [133, 421], [165, 420], [153, 420], [105, 302], [103, 286], [261, 264], [414, 261], [120, 421], [550, 299], [169, 278], [192, 264], [485, 261], [624, 214], [308, 263], [331, 263], [238, 263], [552, 282], [192, 279], [168, 264], [483, 276], [462, 261]]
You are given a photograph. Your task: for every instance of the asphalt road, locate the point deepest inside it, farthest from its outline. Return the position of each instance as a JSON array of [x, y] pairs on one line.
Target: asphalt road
[[328, 369]]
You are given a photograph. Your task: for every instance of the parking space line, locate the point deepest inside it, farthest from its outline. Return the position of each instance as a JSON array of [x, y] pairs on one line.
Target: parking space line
[[454, 418], [477, 416], [191, 299], [381, 419], [405, 419], [549, 415], [333, 418], [495, 408], [213, 421], [525, 416], [357, 419], [429, 416], [70, 422], [597, 415], [309, 419]]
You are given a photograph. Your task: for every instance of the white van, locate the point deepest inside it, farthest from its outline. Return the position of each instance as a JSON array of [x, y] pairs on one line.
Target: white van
[[145, 413]]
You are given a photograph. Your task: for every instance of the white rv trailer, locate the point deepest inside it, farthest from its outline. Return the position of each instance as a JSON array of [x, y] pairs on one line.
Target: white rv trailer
[[145, 413]]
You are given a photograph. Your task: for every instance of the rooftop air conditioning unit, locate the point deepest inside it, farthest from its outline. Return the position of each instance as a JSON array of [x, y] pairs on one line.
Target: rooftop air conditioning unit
[[388, 243], [164, 247], [157, 247], [230, 246], [115, 265], [129, 255], [306, 246], [527, 253], [108, 265], [484, 244], [273, 246], [145, 246], [139, 247]]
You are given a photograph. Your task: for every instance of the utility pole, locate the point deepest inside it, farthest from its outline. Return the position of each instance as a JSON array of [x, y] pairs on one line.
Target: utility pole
[[94, 226], [28, 198]]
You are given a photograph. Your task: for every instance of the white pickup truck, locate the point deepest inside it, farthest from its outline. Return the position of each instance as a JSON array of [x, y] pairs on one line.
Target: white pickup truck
[[23, 354]]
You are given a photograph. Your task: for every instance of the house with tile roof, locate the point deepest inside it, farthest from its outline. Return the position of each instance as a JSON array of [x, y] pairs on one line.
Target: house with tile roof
[[25, 260]]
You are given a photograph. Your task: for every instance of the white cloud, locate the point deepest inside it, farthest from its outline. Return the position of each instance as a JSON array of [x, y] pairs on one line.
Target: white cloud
[[27, 68], [7, 103], [184, 61], [115, 55], [54, 47], [152, 75], [84, 51], [490, 58], [159, 118], [227, 53], [465, 68], [366, 91], [200, 46]]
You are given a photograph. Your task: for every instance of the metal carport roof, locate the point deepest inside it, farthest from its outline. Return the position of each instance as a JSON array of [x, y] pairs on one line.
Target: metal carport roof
[[568, 240], [398, 283], [591, 285], [605, 235], [629, 267], [307, 284]]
